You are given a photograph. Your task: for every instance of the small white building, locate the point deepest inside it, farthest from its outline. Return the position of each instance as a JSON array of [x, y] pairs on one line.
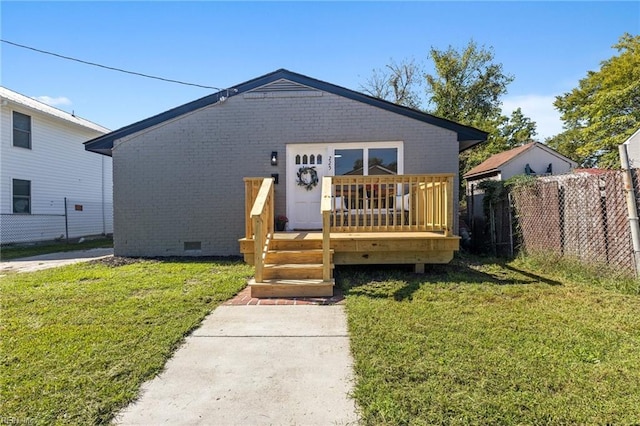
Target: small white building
[[534, 159], [633, 149], [50, 187]]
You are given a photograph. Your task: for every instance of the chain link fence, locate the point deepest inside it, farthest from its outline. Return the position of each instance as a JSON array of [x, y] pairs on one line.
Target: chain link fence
[[57, 220], [579, 216]]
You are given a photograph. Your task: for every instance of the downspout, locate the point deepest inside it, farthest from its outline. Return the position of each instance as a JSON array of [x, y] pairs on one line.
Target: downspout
[[631, 205]]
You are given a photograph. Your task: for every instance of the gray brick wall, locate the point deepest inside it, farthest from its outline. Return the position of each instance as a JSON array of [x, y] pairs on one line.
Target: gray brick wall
[[181, 181]]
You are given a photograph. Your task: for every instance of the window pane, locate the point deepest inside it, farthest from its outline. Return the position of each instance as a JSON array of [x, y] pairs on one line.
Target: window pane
[[21, 130], [383, 161], [21, 196], [21, 122], [21, 139], [349, 161], [21, 205], [22, 187]]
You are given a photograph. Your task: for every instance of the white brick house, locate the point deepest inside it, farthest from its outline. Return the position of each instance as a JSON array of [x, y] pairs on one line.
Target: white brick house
[[178, 176], [43, 163]]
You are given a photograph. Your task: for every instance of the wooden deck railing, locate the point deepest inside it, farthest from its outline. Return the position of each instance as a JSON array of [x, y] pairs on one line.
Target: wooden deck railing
[[259, 202], [389, 203]]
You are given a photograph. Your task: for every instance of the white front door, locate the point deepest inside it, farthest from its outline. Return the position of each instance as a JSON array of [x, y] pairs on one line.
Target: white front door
[[306, 165]]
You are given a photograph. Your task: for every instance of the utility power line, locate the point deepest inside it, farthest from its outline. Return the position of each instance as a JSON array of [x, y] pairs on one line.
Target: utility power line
[[108, 67]]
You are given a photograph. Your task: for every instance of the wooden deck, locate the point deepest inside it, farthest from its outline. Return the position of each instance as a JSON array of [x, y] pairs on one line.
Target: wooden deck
[[353, 248], [300, 264], [293, 265]]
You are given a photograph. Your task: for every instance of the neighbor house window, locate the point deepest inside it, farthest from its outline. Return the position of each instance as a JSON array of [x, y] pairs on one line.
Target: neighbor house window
[[21, 130], [21, 196]]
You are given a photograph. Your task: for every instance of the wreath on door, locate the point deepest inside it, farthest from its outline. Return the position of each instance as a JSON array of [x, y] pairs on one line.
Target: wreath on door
[[307, 178]]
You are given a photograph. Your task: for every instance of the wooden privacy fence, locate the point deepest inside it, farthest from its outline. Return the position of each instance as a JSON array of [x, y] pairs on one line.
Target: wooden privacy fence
[[578, 216]]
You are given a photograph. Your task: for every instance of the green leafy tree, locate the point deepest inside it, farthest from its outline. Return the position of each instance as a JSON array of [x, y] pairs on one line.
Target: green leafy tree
[[467, 85], [518, 129], [604, 110]]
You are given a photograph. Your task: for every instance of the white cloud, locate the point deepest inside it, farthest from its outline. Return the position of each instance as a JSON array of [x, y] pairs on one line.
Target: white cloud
[[538, 108], [60, 100]]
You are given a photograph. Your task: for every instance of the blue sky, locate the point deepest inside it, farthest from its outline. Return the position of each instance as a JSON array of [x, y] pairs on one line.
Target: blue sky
[[547, 46]]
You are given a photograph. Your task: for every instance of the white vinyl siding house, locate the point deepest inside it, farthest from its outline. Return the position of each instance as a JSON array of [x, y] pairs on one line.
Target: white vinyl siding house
[[43, 163]]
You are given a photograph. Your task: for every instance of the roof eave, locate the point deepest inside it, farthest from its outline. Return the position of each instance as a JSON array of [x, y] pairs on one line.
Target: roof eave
[[482, 174], [467, 136], [468, 144]]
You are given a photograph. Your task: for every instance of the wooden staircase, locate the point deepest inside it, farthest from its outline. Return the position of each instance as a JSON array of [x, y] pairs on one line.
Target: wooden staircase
[[293, 268]]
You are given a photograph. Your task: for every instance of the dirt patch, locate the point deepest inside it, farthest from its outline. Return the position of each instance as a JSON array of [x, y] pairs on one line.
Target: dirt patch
[[116, 261]]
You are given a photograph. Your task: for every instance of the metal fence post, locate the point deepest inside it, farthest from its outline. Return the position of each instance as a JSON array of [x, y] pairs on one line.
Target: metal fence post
[[66, 220], [631, 205], [509, 207], [492, 229]]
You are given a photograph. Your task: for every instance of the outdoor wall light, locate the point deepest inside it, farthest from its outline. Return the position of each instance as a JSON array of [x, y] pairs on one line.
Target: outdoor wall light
[[274, 158]]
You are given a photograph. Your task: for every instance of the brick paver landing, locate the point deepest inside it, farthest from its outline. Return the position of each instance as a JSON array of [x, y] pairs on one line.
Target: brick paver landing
[[244, 298]]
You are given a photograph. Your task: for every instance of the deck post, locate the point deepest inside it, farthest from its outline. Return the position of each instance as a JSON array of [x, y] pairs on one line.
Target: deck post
[[326, 244], [262, 221], [248, 204], [259, 243], [325, 208], [448, 205]]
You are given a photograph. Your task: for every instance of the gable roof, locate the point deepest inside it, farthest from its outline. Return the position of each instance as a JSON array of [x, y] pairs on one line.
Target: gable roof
[[495, 162], [467, 136], [35, 105]]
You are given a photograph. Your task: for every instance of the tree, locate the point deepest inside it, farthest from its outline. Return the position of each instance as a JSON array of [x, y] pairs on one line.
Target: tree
[[518, 129], [467, 85], [397, 83], [604, 110]]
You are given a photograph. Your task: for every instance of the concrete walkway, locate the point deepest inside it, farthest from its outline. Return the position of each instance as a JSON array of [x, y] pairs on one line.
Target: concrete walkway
[[53, 260], [255, 365]]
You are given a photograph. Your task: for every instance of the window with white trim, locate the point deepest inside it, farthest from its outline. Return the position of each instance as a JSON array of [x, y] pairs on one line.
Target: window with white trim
[[380, 161], [21, 130], [21, 196]]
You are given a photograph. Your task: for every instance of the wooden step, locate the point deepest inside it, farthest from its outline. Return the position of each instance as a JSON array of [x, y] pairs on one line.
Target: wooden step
[[292, 288], [294, 244], [295, 256], [292, 271]]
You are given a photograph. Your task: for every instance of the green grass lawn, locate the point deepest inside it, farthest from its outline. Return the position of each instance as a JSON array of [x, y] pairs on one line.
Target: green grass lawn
[[474, 342], [78, 341], [16, 251], [492, 343]]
